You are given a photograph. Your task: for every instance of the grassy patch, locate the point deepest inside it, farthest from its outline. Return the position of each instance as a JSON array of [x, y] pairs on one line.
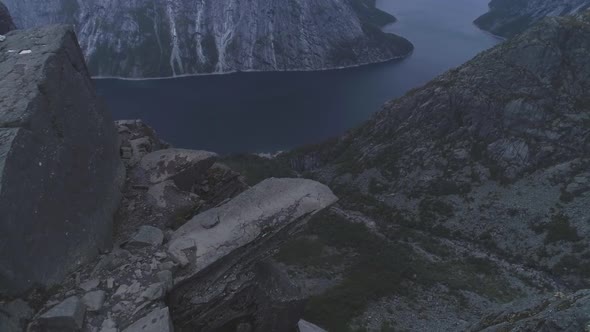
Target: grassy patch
[[256, 169]]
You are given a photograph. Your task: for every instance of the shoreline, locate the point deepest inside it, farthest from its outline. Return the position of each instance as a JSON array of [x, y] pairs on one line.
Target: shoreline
[[122, 78]]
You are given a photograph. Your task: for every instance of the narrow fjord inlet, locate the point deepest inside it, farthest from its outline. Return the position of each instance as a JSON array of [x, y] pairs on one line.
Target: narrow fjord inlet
[[270, 111]]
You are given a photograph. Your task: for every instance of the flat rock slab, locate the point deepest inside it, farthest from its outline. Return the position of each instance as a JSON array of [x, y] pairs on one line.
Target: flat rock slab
[[181, 166], [146, 236], [257, 212], [66, 316], [156, 321]]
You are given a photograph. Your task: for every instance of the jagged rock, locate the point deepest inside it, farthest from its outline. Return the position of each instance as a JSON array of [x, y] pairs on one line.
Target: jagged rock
[[90, 284], [137, 140], [183, 167], [60, 171], [219, 260], [108, 325], [155, 291], [14, 315], [507, 18], [94, 300], [146, 236], [6, 23], [174, 37], [305, 326], [172, 203], [156, 321], [64, 317]]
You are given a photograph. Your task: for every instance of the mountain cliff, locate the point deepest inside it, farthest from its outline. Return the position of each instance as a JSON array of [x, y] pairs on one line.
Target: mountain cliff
[[175, 37], [462, 196], [509, 17]]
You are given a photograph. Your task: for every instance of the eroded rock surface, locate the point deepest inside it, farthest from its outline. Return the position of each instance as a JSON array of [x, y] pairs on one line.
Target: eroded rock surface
[[60, 171]]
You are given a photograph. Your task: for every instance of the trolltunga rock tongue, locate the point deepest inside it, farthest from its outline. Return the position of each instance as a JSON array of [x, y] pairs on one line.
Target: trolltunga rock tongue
[[263, 209], [60, 171], [223, 249]]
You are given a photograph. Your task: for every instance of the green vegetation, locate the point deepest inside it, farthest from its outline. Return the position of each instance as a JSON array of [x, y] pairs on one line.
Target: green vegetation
[[377, 267], [432, 210], [559, 229], [256, 169]]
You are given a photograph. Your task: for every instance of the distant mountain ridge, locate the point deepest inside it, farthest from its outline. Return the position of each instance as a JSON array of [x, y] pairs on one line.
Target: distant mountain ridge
[[509, 17], [176, 37]]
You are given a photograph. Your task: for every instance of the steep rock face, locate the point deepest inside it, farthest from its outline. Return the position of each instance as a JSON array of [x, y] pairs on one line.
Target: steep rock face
[[509, 17], [6, 23], [483, 169], [60, 171], [166, 38]]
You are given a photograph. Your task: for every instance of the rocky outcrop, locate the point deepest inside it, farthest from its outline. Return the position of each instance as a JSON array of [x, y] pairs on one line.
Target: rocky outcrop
[[221, 246], [60, 171], [176, 37], [6, 23], [483, 169], [508, 17]]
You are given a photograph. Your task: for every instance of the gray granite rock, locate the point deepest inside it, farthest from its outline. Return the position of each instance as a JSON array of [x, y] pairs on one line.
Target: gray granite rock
[[64, 317], [94, 300], [266, 207], [156, 321], [146, 236], [60, 171], [223, 259]]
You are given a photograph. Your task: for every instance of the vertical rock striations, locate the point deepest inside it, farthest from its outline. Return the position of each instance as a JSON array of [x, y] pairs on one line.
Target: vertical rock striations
[[174, 37], [60, 170]]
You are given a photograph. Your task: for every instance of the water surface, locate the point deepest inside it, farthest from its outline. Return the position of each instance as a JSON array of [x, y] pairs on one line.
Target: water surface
[[264, 112]]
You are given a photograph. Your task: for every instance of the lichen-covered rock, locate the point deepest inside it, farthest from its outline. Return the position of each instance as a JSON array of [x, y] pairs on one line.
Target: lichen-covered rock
[[60, 171], [174, 37], [6, 23]]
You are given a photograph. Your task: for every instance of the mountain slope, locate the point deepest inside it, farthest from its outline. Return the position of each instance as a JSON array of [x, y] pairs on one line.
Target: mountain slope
[[475, 187], [509, 17], [173, 37]]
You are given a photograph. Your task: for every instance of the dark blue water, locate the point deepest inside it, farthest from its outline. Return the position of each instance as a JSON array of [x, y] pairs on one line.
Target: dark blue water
[[265, 112]]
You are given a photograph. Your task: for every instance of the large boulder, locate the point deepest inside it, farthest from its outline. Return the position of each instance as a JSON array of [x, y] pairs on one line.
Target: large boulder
[[60, 170], [6, 23], [224, 285]]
